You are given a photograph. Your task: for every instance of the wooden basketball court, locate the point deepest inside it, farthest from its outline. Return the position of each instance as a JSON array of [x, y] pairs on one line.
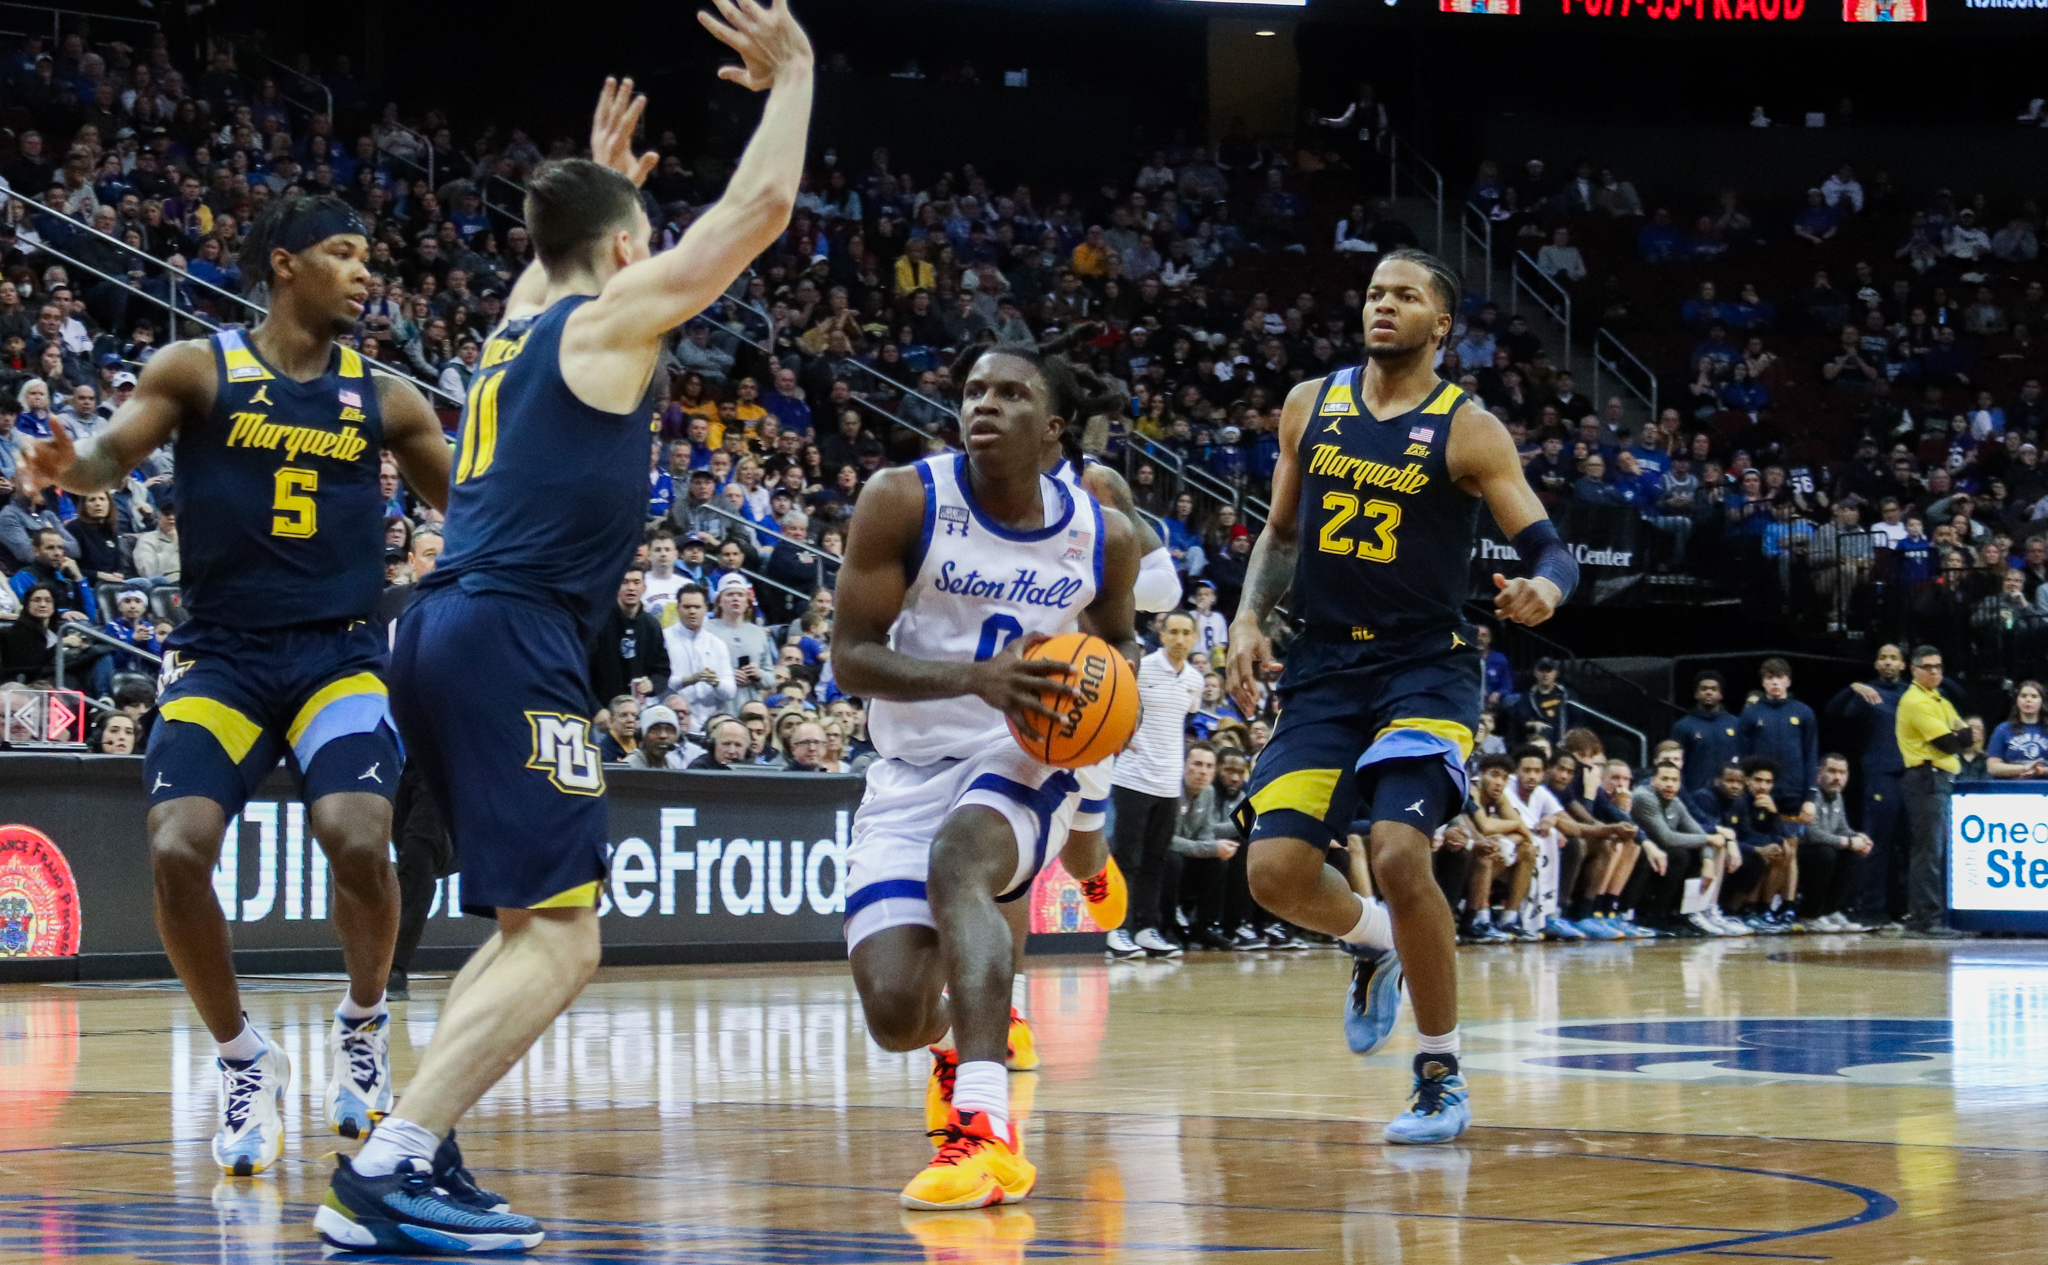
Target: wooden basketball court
[[1842, 1099]]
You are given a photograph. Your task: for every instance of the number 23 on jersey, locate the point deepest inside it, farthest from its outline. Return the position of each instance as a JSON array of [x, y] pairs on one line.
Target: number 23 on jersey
[[1371, 524]]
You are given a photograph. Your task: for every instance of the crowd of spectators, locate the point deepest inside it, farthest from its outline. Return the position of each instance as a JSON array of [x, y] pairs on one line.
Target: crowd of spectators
[[1851, 382]]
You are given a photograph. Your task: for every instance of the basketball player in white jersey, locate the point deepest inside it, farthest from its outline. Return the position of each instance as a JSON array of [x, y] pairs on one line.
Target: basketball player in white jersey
[[956, 569]]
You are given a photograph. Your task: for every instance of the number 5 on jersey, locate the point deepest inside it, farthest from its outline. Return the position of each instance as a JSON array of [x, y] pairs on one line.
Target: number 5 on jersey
[[298, 514], [1372, 540]]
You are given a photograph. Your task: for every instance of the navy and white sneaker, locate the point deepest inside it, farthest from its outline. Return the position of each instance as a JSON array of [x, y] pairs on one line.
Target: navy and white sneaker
[[409, 1212], [359, 1076], [1374, 1002], [250, 1137], [451, 1175], [1440, 1112]]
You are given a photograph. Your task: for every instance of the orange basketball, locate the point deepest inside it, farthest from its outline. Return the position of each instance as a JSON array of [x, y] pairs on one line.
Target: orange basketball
[[1096, 725]]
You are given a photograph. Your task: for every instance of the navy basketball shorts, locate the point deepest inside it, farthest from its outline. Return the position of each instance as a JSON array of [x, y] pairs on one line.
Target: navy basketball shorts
[[1350, 711], [493, 698], [231, 703]]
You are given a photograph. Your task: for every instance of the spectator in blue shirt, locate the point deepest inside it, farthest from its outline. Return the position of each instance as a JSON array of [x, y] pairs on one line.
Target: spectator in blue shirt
[[786, 401], [661, 488], [2019, 746], [1744, 394], [1817, 223], [133, 626], [1749, 311], [1702, 310], [1718, 349], [1592, 487], [1659, 241], [1783, 728], [1916, 553], [1500, 677]]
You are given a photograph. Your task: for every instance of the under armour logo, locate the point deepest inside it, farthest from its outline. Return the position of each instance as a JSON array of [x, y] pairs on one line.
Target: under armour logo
[[1416, 808], [161, 785], [370, 775]]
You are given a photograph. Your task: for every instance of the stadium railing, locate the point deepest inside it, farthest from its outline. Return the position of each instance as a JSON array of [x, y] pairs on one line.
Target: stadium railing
[[1545, 292], [1613, 357]]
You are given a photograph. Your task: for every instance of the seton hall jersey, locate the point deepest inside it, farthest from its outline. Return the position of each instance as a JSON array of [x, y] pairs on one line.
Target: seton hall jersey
[[549, 494], [280, 517], [1385, 535], [975, 586]]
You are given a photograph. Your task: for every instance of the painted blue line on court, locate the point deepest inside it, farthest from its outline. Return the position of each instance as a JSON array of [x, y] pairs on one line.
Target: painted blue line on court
[[1775, 1256], [1876, 1207]]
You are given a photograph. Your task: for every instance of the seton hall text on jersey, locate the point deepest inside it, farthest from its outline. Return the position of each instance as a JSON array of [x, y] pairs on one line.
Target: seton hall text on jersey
[[1024, 587], [256, 430], [1329, 459]]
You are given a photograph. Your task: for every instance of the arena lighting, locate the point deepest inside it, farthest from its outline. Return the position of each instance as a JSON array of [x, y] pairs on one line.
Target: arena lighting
[[1262, 33]]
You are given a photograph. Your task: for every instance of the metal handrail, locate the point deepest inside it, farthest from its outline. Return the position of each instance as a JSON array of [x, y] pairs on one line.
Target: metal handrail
[[95, 634], [178, 275], [758, 578], [294, 71], [57, 17], [426, 140], [862, 401], [1642, 740], [736, 295], [1467, 238], [1561, 312], [752, 526], [1614, 367], [1433, 188]]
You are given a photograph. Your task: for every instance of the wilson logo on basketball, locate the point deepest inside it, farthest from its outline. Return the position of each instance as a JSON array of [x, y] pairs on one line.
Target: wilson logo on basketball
[[39, 915], [1094, 671]]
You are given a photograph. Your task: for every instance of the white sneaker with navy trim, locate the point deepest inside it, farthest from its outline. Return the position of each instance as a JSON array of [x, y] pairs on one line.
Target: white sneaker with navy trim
[[358, 1075], [251, 1133]]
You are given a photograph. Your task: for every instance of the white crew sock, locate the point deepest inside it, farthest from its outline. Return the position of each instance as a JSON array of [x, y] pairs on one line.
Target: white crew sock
[[1445, 1044], [393, 1142], [1375, 929], [984, 1086], [248, 1043], [1020, 991], [349, 1010]]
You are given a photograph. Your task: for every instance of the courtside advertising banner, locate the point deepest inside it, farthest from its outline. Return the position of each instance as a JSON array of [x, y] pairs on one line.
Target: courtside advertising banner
[[1998, 856], [705, 866]]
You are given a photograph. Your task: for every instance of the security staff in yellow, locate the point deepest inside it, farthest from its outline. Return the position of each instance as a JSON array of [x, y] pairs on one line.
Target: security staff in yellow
[[1932, 739], [279, 433], [1375, 508]]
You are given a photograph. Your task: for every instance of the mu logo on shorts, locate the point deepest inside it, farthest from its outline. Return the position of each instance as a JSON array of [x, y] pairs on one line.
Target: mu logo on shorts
[[39, 916], [562, 750]]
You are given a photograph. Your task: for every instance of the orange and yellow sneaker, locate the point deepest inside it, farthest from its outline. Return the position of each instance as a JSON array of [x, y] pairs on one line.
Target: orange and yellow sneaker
[[1022, 1056], [1107, 895], [938, 1091], [974, 1168]]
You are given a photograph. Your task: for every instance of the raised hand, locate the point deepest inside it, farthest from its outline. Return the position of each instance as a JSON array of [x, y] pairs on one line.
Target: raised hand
[[611, 131], [766, 37], [45, 463]]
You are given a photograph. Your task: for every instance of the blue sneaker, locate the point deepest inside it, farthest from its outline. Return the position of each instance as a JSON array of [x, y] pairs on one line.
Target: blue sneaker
[[1374, 1002], [451, 1175], [407, 1212], [1599, 927], [1561, 929], [1440, 1113]]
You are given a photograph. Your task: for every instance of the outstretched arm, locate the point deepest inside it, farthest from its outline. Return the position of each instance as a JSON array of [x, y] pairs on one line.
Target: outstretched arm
[[1270, 573], [887, 522], [175, 385], [1482, 458], [413, 434], [656, 295]]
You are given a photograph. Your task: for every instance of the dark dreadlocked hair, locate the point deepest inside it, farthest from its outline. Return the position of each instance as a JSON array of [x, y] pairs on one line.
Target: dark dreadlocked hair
[[1078, 391]]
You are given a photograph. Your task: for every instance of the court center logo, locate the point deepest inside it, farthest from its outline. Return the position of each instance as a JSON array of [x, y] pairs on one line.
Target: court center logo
[[39, 913], [1880, 1051]]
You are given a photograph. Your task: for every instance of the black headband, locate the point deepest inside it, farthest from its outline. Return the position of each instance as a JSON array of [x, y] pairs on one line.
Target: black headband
[[318, 225]]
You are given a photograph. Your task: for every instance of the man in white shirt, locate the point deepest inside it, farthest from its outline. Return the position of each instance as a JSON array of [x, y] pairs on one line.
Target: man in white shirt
[[1147, 785], [1540, 811], [1843, 191], [663, 580], [746, 642], [700, 667]]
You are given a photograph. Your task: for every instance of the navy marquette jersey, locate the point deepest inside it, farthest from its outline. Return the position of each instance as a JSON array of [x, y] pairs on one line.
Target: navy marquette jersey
[[549, 494], [1386, 535], [280, 516]]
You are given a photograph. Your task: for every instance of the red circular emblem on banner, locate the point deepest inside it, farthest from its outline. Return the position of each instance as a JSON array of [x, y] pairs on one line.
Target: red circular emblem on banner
[[39, 914]]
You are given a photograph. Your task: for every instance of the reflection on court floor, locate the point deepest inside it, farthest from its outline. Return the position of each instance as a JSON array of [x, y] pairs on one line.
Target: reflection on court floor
[[1842, 1099]]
